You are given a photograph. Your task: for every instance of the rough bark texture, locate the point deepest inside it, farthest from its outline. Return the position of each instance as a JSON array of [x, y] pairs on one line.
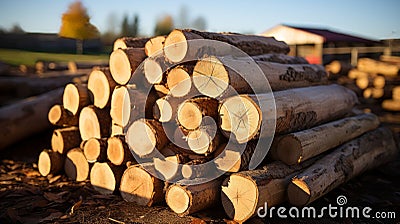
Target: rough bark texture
[[280, 58], [33, 111], [349, 160], [76, 166], [299, 146], [126, 42]]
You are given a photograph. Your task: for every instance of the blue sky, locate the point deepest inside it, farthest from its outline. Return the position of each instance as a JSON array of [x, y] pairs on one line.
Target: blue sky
[[370, 18]]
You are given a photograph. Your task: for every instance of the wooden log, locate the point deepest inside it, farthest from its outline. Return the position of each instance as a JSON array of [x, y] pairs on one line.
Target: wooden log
[[355, 74], [118, 151], [391, 105], [76, 166], [106, 177], [299, 146], [338, 68], [188, 199], [75, 97], [101, 85], [154, 69], [26, 117], [244, 192], [379, 82], [144, 136], [59, 116], [390, 59], [250, 44], [128, 42], [116, 129], [377, 67], [94, 123], [161, 90], [195, 169], [204, 140], [179, 81], [364, 82], [139, 186], [349, 160], [15, 87], [154, 45], [169, 167], [212, 76], [234, 157], [165, 108], [130, 104], [191, 112], [95, 150], [50, 162], [65, 139], [280, 58], [296, 109], [123, 63], [180, 138]]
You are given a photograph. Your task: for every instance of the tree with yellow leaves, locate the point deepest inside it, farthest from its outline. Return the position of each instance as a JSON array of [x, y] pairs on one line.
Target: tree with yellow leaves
[[76, 25]]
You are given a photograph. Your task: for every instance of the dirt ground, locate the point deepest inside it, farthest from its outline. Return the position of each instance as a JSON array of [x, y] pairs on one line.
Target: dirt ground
[[27, 197]]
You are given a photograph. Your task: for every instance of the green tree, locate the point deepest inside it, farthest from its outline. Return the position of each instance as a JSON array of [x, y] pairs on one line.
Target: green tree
[[125, 26], [135, 26], [76, 25], [164, 25]]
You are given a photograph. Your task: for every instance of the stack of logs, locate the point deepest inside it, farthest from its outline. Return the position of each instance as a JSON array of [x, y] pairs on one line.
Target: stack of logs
[[378, 80], [319, 141]]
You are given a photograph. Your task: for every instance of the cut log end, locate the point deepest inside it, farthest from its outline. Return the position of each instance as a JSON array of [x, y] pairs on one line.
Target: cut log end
[[76, 166], [72, 98], [93, 149], [64, 139], [59, 116], [117, 151], [241, 117], [179, 82], [210, 77], [99, 85], [162, 110], [178, 199], [239, 195], [141, 137], [189, 115], [199, 141], [229, 161], [120, 105], [299, 192], [154, 45], [289, 150], [153, 71], [94, 123], [120, 67], [175, 46], [50, 162], [168, 167], [102, 178]]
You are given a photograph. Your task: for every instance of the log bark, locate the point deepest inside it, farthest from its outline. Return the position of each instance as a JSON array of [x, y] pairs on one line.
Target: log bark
[[377, 67], [95, 150], [128, 42], [215, 77], [235, 157], [299, 146], [244, 192], [76, 166], [188, 199], [191, 112], [123, 63], [391, 105], [101, 85], [129, 104], [65, 139], [144, 136], [118, 151], [196, 168], [32, 111], [59, 116], [94, 123], [154, 45], [296, 109], [50, 162], [280, 58], [106, 177], [347, 161], [75, 97], [139, 186]]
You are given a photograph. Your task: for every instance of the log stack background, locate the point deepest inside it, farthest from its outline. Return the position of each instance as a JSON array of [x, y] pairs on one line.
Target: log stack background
[[101, 123]]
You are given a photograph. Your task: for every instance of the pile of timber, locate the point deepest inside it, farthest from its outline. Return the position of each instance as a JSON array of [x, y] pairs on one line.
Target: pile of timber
[[319, 143], [374, 81], [44, 66]]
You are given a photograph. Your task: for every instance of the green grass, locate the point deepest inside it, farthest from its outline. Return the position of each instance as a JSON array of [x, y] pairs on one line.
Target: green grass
[[18, 57]]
